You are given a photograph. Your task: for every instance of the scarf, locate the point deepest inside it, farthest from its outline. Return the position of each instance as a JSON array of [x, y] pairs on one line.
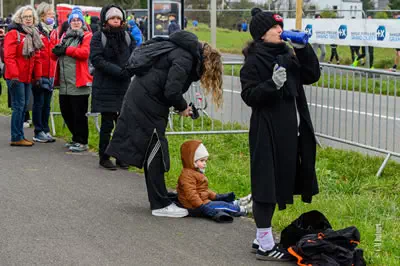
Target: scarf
[[270, 54], [72, 37], [116, 38], [32, 41], [47, 28]]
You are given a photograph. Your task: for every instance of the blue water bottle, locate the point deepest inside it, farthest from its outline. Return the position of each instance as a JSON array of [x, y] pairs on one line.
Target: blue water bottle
[[299, 37]]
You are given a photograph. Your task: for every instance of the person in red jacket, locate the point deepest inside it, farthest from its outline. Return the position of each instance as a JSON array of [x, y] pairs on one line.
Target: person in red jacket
[[22, 46], [43, 90], [75, 81]]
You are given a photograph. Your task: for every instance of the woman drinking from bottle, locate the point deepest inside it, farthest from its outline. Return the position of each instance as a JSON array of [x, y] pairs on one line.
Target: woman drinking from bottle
[[282, 140]]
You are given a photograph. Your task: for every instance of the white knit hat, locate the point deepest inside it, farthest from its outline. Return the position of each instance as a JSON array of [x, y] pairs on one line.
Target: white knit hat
[[114, 12], [201, 152]]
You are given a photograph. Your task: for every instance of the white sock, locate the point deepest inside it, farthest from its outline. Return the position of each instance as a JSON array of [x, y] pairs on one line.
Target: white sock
[[265, 238]]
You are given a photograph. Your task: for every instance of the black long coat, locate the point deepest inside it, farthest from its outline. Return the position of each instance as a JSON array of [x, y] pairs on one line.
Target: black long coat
[[145, 110], [282, 161], [108, 87]]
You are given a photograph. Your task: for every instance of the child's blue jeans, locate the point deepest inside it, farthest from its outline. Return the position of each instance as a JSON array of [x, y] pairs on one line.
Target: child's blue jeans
[[227, 207]]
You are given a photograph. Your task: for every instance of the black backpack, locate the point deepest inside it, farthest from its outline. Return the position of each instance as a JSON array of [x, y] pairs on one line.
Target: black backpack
[[144, 57], [308, 223], [329, 248]]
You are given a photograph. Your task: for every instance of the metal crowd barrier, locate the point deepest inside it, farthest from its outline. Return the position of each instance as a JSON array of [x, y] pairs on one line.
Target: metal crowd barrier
[[355, 106]]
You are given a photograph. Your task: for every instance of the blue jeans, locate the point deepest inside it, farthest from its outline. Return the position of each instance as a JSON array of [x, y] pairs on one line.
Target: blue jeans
[[41, 109], [227, 207], [19, 101]]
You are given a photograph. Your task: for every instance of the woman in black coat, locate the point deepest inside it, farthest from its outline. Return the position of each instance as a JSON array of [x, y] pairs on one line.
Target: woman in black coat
[[110, 80], [139, 138], [282, 141]]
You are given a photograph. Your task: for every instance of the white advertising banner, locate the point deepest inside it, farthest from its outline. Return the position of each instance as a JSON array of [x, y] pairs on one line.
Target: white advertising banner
[[358, 32]]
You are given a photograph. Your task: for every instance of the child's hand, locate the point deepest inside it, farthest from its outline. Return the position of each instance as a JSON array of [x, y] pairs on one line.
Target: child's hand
[[228, 197]]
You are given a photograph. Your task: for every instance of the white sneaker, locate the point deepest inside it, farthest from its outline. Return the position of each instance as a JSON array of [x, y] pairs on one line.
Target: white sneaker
[[170, 211], [26, 125], [245, 200]]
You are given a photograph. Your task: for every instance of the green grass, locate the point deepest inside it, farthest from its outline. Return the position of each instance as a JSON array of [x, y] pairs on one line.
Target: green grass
[[350, 194], [230, 41]]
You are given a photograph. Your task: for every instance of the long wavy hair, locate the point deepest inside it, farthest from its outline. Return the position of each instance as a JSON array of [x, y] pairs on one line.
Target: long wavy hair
[[211, 79]]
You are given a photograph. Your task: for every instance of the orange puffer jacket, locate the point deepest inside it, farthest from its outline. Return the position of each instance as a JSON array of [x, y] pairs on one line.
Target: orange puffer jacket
[[192, 185]]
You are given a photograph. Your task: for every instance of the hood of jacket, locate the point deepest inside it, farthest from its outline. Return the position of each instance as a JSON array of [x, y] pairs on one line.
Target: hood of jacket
[[188, 150], [15, 26], [189, 42], [95, 19], [104, 11]]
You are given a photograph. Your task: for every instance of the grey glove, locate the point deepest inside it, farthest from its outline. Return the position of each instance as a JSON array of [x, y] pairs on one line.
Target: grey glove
[[279, 76]]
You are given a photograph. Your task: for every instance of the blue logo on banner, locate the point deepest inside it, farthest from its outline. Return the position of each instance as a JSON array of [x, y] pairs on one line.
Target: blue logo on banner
[[308, 30], [381, 33], [342, 32]]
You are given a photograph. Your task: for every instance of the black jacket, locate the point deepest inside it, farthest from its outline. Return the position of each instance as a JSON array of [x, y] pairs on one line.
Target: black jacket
[[282, 163], [145, 110], [95, 24], [109, 86]]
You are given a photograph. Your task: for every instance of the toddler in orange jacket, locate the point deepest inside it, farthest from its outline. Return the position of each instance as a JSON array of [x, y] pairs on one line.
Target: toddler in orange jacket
[[193, 191]]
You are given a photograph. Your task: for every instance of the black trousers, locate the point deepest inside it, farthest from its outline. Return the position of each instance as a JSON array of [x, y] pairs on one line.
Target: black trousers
[[355, 52], [154, 174], [108, 121], [263, 213], [73, 110], [371, 54], [334, 53]]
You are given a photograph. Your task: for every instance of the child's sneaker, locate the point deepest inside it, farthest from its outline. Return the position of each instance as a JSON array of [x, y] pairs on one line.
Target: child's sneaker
[[245, 200], [249, 207], [275, 254]]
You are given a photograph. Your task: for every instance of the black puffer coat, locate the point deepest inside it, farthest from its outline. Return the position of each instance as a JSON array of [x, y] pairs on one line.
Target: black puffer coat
[[108, 86], [145, 110], [282, 163]]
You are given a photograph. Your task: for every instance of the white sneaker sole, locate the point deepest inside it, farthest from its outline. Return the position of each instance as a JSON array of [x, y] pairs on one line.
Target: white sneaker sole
[[40, 140], [171, 215]]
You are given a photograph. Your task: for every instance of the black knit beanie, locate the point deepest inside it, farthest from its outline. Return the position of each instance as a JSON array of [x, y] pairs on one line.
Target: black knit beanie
[[261, 22]]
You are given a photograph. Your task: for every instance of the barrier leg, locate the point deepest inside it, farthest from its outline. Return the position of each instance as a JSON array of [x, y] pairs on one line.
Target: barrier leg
[[318, 142], [383, 165], [53, 126]]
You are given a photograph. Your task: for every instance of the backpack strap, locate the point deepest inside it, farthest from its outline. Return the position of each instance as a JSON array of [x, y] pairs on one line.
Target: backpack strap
[[103, 39], [128, 39], [18, 37], [298, 257]]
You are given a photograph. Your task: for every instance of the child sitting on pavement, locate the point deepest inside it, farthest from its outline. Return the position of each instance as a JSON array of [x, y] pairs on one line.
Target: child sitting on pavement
[[193, 191]]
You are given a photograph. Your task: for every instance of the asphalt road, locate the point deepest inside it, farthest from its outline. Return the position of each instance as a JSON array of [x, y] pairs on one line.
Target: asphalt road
[[58, 208]]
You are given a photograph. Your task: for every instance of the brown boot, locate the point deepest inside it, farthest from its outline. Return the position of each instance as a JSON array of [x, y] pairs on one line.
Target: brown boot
[[21, 143], [33, 143]]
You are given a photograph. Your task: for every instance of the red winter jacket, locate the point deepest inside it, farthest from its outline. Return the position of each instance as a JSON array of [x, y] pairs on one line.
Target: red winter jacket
[[49, 64], [81, 55], [17, 66]]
